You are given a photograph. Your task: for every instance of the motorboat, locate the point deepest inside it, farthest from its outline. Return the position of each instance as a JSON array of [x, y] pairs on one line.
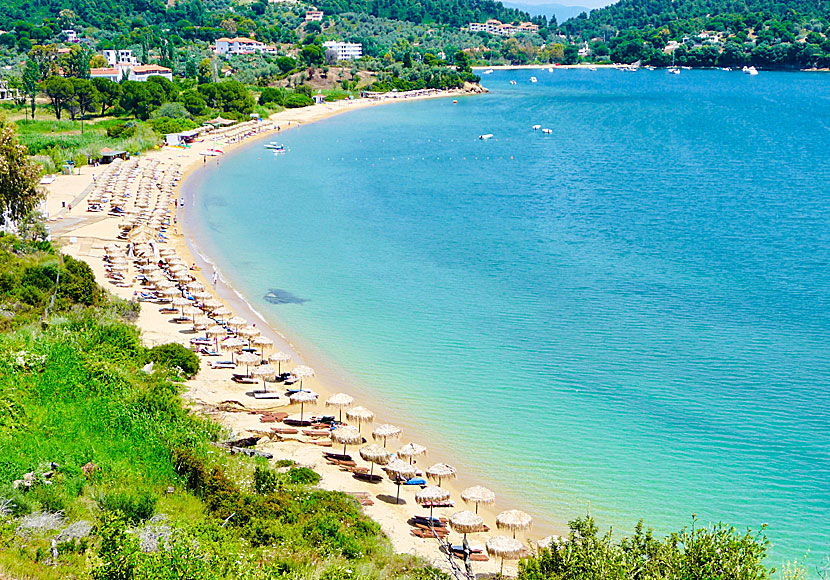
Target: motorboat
[[276, 147], [533, 79], [550, 69], [489, 71], [485, 136], [750, 70], [547, 131], [536, 127], [512, 82], [674, 71]]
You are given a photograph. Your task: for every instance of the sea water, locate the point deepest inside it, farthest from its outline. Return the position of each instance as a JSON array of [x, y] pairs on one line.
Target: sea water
[[629, 315]]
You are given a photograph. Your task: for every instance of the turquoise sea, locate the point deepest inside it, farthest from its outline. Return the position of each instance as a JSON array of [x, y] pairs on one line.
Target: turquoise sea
[[631, 311]]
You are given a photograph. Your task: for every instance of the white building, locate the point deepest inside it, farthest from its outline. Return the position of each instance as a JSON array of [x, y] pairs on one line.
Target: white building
[[314, 16], [110, 73], [343, 50], [494, 26], [71, 35], [123, 58], [242, 45], [143, 72]]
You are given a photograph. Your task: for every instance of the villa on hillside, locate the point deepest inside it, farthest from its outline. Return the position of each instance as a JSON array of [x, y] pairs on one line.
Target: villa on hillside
[[494, 26], [314, 16], [343, 50], [242, 45], [110, 73], [143, 72]]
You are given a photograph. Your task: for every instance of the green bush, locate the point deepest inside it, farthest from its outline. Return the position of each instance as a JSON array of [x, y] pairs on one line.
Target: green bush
[[297, 100], [122, 130], [164, 125], [174, 355], [303, 475], [265, 480], [171, 110], [135, 506], [272, 95]]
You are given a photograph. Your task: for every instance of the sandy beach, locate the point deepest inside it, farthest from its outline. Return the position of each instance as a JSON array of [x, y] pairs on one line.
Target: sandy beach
[[90, 235]]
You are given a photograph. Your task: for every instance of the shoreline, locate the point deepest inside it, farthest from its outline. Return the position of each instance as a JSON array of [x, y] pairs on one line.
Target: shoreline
[[211, 390]]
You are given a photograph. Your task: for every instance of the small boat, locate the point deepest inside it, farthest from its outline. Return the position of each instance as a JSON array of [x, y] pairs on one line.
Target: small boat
[[750, 70], [512, 82], [686, 67], [485, 136], [727, 69], [592, 68], [533, 79], [536, 127], [547, 131], [674, 71], [489, 71], [550, 69], [276, 147]]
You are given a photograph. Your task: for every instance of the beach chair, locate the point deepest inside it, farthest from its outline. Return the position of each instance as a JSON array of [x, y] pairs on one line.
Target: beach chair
[[285, 430], [222, 364], [210, 352]]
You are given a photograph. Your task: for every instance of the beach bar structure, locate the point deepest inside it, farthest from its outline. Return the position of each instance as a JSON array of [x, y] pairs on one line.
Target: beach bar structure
[[109, 155], [182, 139]]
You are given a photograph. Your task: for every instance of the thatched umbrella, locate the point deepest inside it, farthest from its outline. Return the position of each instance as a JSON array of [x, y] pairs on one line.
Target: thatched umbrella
[[302, 372], [548, 542], [303, 397], [440, 471], [466, 522], [375, 454], [478, 495], [264, 371], [247, 359], [279, 358], [360, 414], [513, 520], [236, 322], [340, 400], [262, 342], [346, 436], [181, 303], [430, 495], [232, 344], [400, 471], [386, 431], [504, 547], [411, 450]]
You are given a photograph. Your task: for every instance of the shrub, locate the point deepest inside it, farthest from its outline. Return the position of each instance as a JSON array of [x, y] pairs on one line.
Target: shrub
[[265, 480], [174, 355], [272, 95], [297, 100], [303, 475], [122, 130], [171, 110], [164, 125], [135, 507]]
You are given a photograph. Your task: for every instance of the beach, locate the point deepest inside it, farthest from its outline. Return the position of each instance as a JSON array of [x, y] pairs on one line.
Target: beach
[[91, 236]]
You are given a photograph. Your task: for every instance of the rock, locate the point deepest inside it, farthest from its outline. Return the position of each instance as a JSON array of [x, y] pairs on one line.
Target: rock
[[154, 535], [40, 521], [89, 469]]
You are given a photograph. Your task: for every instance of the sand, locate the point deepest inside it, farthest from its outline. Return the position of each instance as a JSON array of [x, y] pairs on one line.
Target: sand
[[84, 235]]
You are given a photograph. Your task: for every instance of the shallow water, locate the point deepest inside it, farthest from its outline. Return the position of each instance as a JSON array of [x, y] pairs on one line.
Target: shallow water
[[631, 311]]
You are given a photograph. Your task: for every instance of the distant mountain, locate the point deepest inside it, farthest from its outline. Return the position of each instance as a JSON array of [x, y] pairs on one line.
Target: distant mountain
[[561, 11]]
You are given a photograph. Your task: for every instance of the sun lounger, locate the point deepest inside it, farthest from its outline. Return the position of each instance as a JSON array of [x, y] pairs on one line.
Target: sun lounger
[[222, 364], [266, 395], [356, 469], [438, 530], [426, 520], [428, 534], [316, 432], [438, 504], [244, 380], [341, 462], [285, 430], [168, 310], [322, 443], [415, 481], [297, 423], [337, 456], [210, 352]]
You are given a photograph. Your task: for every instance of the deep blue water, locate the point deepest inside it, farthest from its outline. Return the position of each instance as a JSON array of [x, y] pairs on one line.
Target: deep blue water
[[633, 311]]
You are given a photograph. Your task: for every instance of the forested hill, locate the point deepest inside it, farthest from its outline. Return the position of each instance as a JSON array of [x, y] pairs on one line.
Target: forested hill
[[450, 12], [694, 15]]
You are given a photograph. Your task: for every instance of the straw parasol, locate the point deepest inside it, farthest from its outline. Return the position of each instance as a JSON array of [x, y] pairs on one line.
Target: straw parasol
[[232, 344], [249, 331], [279, 358], [237, 322], [386, 431], [264, 371], [221, 312], [400, 471], [478, 495], [411, 450], [360, 414], [262, 342], [513, 520], [548, 542], [181, 303], [375, 454], [504, 547], [340, 400], [302, 372], [430, 495], [346, 436], [212, 304], [247, 358], [441, 471], [303, 397], [466, 522]]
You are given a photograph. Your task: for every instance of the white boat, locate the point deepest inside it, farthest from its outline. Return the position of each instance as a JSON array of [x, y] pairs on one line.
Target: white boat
[[533, 79], [512, 82], [547, 131], [485, 136], [726, 69], [550, 69], [674, 71], [489, 71], [592, 68], [276, 147], [750, 70], [536, 127], [686, 67]]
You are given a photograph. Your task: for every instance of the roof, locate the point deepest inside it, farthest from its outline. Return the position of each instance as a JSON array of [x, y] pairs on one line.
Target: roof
[[145, 68], [224, 39], [103, 72], [244, 39]]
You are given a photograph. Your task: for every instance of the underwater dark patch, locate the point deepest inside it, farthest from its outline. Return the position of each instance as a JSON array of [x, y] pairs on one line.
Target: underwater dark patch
[[278, 296]]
